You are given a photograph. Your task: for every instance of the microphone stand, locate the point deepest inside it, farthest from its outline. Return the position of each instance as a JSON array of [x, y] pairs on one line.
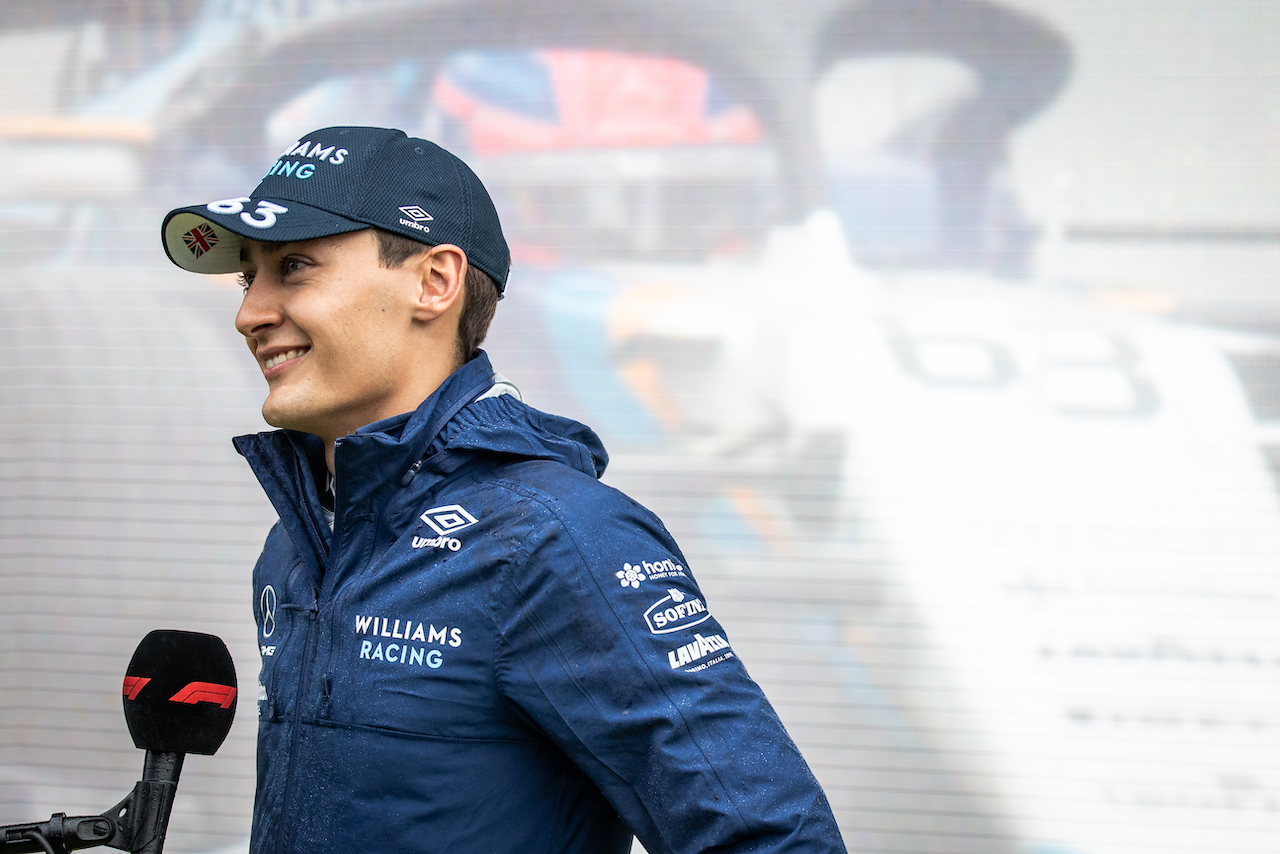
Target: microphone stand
[[137, 824]]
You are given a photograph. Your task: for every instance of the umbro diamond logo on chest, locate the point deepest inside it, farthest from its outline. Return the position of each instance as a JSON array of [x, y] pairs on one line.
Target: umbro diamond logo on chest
[[447, 519]]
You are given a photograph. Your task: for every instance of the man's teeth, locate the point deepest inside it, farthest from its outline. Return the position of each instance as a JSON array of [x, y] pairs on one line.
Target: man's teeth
[[281, 357]]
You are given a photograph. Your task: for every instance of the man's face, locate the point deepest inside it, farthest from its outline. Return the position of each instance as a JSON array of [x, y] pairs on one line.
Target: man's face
[[332, 330]]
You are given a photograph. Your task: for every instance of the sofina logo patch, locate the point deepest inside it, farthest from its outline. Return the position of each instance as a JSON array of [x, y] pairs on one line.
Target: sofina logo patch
[[674, 612]]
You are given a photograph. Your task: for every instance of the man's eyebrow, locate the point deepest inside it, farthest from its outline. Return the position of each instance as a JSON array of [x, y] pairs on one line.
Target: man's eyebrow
[[267, 245]]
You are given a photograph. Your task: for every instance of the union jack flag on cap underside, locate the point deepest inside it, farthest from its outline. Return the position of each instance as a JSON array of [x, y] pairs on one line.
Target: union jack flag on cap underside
[[200, 239]]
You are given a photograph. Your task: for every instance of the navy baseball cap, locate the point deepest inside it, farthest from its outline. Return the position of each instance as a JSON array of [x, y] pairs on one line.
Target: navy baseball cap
[[342, 179]]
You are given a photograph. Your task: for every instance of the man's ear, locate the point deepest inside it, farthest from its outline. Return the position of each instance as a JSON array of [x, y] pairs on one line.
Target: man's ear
[[442, 271]]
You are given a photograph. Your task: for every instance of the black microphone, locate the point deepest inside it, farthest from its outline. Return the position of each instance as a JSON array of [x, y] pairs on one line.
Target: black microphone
[[180, 693], [179, 698]]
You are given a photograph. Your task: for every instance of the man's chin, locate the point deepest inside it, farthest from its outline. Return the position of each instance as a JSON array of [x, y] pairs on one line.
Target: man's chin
[[285, 417], [274, 420]]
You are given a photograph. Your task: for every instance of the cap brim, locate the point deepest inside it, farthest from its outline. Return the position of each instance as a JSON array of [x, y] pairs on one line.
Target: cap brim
[[207, 241]]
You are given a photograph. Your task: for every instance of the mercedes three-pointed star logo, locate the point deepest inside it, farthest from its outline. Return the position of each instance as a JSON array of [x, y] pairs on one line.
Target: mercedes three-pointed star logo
[[268, 603]]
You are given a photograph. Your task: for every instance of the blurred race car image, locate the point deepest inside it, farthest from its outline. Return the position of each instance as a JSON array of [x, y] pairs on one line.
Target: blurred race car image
[[1000, 547]]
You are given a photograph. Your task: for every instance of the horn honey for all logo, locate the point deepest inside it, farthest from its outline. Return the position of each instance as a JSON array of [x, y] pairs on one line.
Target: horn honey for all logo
[[632, 574]]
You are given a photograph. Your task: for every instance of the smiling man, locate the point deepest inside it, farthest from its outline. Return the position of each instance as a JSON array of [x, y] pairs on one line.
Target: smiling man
[[343, 339], [468, 642]]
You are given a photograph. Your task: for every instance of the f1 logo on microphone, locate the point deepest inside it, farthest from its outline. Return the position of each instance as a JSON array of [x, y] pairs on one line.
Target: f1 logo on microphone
[[193, 693], [134, 684], [205, 692]]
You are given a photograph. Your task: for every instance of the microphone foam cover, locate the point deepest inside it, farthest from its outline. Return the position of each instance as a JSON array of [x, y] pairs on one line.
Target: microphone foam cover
[[180, 692]]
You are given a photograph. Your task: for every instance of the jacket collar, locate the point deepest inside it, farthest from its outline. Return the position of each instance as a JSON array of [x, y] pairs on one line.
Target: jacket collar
[[457, 421], [286, 461]]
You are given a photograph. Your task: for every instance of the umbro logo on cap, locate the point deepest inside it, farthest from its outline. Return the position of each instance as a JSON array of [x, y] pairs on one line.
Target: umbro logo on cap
[[414, 212]]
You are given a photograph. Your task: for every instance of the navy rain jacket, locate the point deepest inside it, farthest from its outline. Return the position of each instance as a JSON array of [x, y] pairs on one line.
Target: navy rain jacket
[[494, 652]]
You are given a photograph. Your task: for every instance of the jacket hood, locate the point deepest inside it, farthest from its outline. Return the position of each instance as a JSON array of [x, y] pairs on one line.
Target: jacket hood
[[474, 411], [506, 425]]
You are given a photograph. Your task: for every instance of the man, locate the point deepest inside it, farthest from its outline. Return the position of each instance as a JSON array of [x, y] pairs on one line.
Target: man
[[469, 644]]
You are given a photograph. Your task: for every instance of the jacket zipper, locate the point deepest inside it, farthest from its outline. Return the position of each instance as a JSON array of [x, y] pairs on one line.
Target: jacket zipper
[[304, 677], [298, 700]]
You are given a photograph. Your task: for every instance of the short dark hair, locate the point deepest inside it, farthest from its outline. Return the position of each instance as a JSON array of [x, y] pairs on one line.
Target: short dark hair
[[479, 293]]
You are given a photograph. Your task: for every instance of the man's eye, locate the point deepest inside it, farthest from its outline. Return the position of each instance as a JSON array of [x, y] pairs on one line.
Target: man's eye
[[293, 265], [245, 280]]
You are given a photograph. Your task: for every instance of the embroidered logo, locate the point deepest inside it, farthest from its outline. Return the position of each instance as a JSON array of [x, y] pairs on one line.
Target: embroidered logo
[[200, 239], [440, 542], [448, 519], [414, 644], [697, 651], [633, 573], [416, 216], [415, 213], [674, 612], [631, 576], [268, 603]]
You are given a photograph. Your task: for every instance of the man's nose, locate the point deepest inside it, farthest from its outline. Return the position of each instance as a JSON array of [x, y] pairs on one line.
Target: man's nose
[[258, 310]]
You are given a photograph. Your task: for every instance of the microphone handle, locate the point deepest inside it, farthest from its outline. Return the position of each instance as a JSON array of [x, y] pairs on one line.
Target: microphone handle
[[153, 801], [137, 824], [60, 833]]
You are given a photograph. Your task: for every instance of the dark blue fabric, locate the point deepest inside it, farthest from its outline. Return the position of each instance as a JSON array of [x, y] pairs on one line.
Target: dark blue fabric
[[340, 179], [544, 676]]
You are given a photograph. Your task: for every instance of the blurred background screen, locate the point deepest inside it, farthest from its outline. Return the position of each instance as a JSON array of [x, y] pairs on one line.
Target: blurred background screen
[[943, 334]]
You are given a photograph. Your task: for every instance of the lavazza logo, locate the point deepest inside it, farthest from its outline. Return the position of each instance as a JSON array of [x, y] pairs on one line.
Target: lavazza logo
[[445, 521], [674, 612], [700, 653], [417, 216]]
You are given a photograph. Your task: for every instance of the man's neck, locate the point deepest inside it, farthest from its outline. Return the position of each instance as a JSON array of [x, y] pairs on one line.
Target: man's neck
[[407, 404]]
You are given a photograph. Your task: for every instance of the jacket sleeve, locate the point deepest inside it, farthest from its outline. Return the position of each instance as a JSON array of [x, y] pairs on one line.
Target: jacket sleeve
[[609, 646]]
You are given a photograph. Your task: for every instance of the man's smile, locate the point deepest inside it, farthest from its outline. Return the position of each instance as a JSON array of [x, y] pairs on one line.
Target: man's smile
[[279, 358]]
